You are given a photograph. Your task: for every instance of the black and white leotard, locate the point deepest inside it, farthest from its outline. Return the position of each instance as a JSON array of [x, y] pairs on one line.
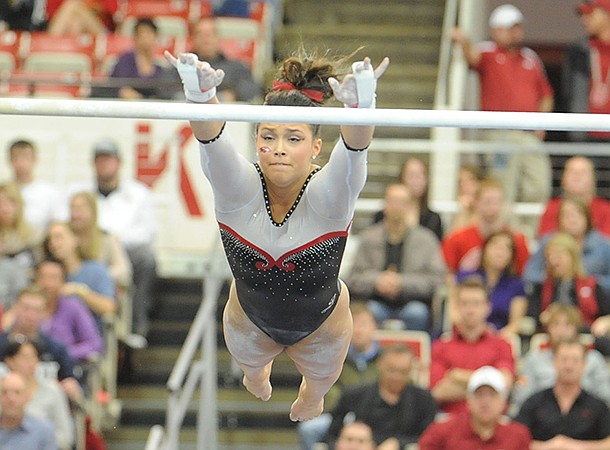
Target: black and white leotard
[[286, 274]]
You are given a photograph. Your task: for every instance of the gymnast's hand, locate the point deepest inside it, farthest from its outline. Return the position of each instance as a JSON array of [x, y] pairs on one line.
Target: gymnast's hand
[[357, 90], [198, 77]]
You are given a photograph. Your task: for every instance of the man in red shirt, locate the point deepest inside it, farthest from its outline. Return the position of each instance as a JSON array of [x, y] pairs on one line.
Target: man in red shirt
[[462, 248], [483, 425], [470, 346], [512, 78], [586, 69], [578, 181]]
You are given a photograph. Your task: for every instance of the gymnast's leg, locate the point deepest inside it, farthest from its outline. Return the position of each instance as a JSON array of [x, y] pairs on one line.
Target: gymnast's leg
[[252, 349], [319, 358]]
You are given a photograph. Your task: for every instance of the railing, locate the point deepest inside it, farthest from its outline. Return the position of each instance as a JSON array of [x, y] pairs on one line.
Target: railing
[[191, 372]]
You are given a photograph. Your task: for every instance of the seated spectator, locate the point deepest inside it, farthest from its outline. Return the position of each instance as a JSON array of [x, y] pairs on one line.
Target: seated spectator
[[471, 345], [67, 320], [398, 265], [355, 436], [469, 180], [47, 400], [22, 15], [24, 321], [76, 17], [89, 280], [42, 201], [578, 181], [18, 429], [565, 416], [482, 425], [17, 240], [462, 248], [575, 220], [414, 175], [396, 410], [238, 84], [97, 244], [536, 371], [359, 368], [141, 65], [566, 282], [506, 291]]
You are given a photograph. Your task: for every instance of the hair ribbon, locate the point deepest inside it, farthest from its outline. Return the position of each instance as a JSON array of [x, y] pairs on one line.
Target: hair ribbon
[[313, 94]]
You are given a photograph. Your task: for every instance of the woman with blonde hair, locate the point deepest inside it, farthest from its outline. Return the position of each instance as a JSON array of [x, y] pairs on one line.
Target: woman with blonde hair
[[95, 243], [566, 282], [18, 240]]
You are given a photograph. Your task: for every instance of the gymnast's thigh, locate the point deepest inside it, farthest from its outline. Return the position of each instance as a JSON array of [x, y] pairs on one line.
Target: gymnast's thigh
[[247, 343], [323, 352]]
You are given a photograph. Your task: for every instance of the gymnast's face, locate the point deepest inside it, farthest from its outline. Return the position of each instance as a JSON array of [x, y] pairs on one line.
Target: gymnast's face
[[286, 151]]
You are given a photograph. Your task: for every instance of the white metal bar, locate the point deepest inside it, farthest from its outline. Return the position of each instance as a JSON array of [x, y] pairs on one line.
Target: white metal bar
[[154, 438], [295, 114]]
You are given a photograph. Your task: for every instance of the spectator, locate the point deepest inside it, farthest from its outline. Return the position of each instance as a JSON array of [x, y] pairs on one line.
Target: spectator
[[76, 17], [42, 201], [97, 244], [577, 181], [512, 78], [537, 371], [471, 345], [238, 84], [506, 290], [17, 240], [47, 400], [24, 323], [89, 280], [594, 248], [585, 86], [469, 181], [28, 15], [127, 210], [396, 410], [482, 425], [398, 265], [359, 368], [462, 248], [18, 429], [67, 319], [141, 65], [355, 436], [565, 416], [565, 282], [414, 174]]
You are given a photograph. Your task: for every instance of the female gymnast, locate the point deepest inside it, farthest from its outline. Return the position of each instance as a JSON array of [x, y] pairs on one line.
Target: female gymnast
[[284, 222]]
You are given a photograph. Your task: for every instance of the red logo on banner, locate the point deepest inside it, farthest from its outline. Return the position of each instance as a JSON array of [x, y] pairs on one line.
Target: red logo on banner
[[149, 168]]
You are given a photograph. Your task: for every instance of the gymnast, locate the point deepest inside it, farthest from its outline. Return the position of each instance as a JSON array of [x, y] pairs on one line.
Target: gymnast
[[284, 222]]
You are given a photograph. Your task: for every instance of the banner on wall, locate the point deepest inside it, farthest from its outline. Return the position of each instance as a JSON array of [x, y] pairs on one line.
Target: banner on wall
[[161, 153]]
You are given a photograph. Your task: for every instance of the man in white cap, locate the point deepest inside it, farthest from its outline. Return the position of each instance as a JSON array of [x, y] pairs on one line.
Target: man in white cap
[[512, 78], [483, 425]]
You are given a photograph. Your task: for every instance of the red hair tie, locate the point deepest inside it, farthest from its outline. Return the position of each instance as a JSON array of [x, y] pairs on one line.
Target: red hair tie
[[313, 94]]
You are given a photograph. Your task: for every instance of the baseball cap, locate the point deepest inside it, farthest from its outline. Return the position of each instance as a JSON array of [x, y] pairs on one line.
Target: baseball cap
[[106, 147], [487, 376], [505, 16], [589, 6]]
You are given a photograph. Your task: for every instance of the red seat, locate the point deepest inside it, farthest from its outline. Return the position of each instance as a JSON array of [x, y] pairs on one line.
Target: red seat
[[27, 84], [240, 49], [420, 344], [10, 52], [45, 53], [171, 16]]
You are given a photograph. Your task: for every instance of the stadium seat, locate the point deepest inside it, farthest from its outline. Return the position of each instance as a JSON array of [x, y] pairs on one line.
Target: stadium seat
[[420, 344], [170, 16], [45, 53], [540, 341], [10, 56]]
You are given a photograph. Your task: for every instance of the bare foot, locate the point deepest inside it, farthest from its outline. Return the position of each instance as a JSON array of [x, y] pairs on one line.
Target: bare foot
[[259, 390], [302, 411]]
